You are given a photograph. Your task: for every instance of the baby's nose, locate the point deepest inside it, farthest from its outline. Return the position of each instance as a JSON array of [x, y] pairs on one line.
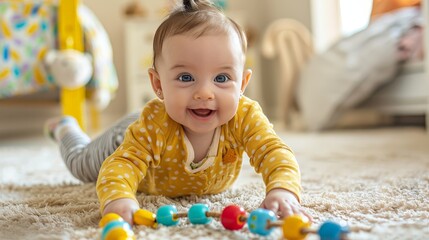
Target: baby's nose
[[204, 93]]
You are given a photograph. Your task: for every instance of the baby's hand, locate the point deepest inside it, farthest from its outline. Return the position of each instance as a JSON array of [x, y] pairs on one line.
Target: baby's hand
[[125, 207], [283, 203]]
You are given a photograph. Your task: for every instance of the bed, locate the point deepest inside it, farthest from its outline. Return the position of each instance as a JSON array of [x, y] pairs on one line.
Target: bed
[[322, 91], [30, 29]]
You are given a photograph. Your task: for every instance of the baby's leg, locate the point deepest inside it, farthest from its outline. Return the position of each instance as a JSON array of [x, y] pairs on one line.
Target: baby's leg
[[82, 156]]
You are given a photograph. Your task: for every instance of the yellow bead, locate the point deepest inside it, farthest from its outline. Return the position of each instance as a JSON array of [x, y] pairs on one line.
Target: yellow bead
[[145, 217], [293, 225], [120, 234], [108, 218]]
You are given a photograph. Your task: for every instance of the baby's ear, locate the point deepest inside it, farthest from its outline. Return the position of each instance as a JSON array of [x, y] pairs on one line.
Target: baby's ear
[[155, 82], [247, 74]]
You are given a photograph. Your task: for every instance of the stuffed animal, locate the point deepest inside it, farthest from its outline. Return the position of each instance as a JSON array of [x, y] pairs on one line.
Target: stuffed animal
[[69, 68], [100, 98]]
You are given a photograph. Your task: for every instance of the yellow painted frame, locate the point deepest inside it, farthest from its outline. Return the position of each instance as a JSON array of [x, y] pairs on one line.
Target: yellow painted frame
[[71, 37]]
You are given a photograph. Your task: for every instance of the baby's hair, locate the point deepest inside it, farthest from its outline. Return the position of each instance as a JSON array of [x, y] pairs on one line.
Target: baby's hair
[[195, 18], [194, 5]]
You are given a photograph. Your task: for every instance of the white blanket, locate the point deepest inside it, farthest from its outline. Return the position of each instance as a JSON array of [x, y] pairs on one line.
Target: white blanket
[[352, 69]]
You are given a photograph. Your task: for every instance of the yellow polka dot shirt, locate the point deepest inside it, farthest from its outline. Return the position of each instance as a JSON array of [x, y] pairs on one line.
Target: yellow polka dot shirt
[[157, 158]]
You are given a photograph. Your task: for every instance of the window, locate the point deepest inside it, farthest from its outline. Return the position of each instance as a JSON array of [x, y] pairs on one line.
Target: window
[[354, 15]]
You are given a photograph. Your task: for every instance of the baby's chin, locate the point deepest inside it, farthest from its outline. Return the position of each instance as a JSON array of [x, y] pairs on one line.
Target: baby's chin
[[201, 129]]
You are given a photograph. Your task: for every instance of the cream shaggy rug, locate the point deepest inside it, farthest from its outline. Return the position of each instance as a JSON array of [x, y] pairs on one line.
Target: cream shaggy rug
[[377, 181]]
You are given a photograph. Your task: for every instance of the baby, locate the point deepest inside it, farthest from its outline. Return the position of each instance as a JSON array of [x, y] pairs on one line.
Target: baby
[[191, 139]]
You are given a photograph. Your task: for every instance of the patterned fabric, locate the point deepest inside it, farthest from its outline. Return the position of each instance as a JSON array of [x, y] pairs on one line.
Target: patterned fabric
[[27, 32], [97, 43], [155, 155], [28, 29]]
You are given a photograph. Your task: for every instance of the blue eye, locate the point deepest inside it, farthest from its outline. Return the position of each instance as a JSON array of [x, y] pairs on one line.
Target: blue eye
[[186, 78], [221, 78]]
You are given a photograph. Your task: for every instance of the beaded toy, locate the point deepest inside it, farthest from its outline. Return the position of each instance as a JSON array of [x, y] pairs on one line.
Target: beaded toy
[[233, 217]]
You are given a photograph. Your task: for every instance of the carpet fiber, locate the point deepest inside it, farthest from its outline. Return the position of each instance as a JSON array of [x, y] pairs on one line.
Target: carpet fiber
[[376, 181]]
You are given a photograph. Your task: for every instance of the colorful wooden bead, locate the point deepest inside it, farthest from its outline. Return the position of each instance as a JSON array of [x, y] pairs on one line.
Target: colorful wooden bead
[[115, 230], [233, 217], [330, 230], [108, 218], [166, 215], [145, 217], [293, 226], [197, 214], [258, 221]]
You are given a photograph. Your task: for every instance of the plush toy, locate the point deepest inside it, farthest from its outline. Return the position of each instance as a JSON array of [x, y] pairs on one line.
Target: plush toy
[[100, 98], [69, 68]]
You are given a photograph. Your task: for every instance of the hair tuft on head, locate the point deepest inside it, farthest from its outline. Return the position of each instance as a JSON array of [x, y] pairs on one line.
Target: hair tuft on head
[[187, 5], [194, 5]]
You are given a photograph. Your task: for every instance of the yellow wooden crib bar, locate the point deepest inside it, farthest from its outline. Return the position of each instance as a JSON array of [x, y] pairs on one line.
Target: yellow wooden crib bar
[[71, 37]]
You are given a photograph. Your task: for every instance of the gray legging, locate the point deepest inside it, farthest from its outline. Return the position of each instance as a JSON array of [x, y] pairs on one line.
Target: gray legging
[[84, 157]]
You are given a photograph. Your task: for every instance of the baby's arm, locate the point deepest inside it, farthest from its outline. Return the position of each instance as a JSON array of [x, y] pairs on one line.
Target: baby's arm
[[271, 157], [123, 171]]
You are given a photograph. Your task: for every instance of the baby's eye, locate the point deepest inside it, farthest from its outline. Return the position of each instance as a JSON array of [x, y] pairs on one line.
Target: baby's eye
[[221, 78], [186, 78]]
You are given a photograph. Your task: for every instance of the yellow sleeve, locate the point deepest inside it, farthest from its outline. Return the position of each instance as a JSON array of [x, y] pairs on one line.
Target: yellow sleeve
[[122, 172], [268, 154]]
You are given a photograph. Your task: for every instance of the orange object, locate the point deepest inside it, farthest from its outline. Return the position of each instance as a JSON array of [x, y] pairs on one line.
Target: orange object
[[379, 7], [230, 156]]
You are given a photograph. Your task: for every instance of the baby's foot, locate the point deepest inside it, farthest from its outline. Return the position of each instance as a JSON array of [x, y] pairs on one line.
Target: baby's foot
[[56, 128]]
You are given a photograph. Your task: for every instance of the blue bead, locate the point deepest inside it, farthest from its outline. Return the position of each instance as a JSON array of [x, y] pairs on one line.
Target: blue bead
[[258, 220], [114, 224], [330, 230], [165, 215], [197, 214]]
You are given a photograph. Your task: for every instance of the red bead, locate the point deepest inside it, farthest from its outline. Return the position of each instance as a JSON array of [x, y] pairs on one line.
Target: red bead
[[233, 217]]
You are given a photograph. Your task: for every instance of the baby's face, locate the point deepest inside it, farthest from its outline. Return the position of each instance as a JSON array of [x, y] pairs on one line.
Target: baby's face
[[201, 79]]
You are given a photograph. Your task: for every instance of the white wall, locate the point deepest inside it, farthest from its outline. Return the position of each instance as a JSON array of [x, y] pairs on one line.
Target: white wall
[[325, 23], [260, 14]]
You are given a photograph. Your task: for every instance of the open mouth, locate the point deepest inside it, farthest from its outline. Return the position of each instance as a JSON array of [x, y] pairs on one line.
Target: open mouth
[[202, 112]]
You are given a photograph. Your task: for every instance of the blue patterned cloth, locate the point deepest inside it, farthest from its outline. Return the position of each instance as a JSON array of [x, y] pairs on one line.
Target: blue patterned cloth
[[28, 29]]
